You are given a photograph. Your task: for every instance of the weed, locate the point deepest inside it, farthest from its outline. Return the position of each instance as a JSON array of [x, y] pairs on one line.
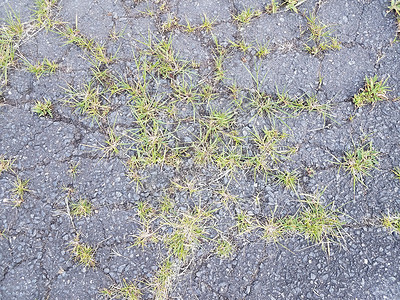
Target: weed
[[395, 6], [273, 229], [10, 34], [170, 23], [262, 50], [43, 13], [82, 253], [219, 70], [292, 4], [166, 63], [241, 45], [163, 279], [6, 164], [188, 28], [392, 223], [246, 16], [207, 25], [224, 248], [20, 188], [244, 222], [43, 67], [272, 8], [126, 290], [147, 215], [73, 169], [320, 223], [88, 101], [320, 37], [82, 208], [288, 179], [43, 109], [189, 229], [373, 92], [359, 162]]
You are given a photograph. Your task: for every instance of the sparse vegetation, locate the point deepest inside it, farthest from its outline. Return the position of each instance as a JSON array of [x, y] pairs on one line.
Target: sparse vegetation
[[373, 92], [125, 290], [82, 253], [359, 162], [6, 164], [43, 109], [81, 208], [19, 190], [246, 15], [391, 222]]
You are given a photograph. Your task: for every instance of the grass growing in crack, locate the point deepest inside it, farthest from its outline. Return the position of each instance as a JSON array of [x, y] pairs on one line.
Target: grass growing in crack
[[170, 23], [207, 24], [73, 169], [288, 179], [165, 60], [189, 229], [42, 13], [262, 50], [10, 34], [224, 248], [320, 223], [373, 92], [244, 222], [245, 16], [392, 222], [43, 109], [125, 290], [82, 208], [6, 164], [395, 6], [359, 162], [161, 283], [147, 215], [241, 45], [19, 190], [88, 101], [273, 230], [321, 39], [82, 253], [270, 149]]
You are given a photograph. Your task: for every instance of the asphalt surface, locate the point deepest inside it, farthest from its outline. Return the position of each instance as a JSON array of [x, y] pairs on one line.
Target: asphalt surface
[[34, 255]]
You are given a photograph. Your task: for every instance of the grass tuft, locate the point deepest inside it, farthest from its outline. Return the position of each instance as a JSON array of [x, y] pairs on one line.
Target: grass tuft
[[373, 92], [43, 109], [82, 253], [125, 290], [392, 222]]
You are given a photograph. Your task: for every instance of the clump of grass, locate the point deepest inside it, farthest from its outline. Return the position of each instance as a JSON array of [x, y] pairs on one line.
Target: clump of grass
[[207, 24], [19, 190], [43, 109], [170, 23], [373, 92], [147, 215], [288, 179], [320, 223], [392, 222], [241, 45], [273, 229], [90, 101], [359, 162], [224, 248], [262, 50], [245, 16], [161, 283], [395, 6], [272, 8], [10, 34], [244, 222], [43, 13], [189, 229], [125, 290], [321, 38], [6, 164], [73, 169], [82, 208], [82, 253]]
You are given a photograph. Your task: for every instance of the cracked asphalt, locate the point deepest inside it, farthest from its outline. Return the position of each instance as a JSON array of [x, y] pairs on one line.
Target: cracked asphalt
[[34, 255]]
